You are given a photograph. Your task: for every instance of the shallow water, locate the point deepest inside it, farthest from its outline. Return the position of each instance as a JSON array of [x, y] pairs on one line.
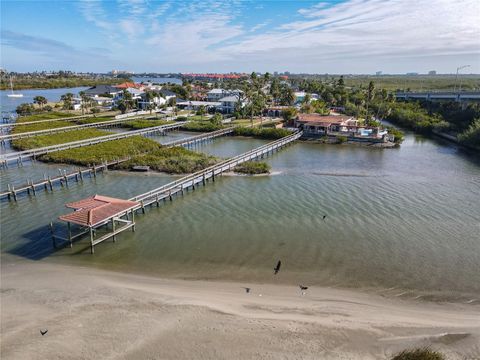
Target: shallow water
[[406, 218]]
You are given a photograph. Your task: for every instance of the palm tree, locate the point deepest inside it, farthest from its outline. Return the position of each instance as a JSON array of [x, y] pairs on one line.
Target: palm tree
[[40, 100], [67, 101]]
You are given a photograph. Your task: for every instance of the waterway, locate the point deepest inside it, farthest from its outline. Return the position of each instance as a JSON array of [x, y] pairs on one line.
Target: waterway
[[398, 221], [8, 104]]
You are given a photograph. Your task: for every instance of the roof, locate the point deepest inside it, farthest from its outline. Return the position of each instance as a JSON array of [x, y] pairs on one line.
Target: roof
[[101, 89], [198, 103], [127, 85], [96, 209], [216, 91], [317, 118], [233, 98], [167, 93]]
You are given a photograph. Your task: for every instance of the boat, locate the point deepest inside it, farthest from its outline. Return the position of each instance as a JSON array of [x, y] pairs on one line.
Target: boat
[[142, 168], [13, 95]]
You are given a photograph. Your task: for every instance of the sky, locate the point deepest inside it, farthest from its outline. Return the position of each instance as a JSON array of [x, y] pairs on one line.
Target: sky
[[348, 37]]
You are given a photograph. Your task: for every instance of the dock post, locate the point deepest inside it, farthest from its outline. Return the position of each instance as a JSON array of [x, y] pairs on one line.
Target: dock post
[[113, 229], [53, 236], [94, 171], [80, 173], [50, 183], [92, 247], [170, 195], [14, 193], [65, 177], [143, 207], [156, 199], [70, 234], [203, 179], [213, 175], [33, 188], [133, 220]]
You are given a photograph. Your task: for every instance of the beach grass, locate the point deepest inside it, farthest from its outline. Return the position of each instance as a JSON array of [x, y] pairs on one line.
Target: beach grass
[[252, 168]]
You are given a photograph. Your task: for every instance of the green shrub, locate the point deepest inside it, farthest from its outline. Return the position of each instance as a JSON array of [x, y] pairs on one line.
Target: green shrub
[[252, 168], [262, 133], [471, 136], [181, 118], [341, 139], [106, 151], [41, 126], [177, 160], [202, 126], [143, 124], [419, 354], [398, 134], [58, 138]]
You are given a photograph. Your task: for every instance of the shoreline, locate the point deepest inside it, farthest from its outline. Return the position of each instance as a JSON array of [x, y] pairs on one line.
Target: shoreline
[[125, 315]]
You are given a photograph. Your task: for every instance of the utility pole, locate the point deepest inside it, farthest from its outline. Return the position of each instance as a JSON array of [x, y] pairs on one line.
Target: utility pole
[[456, 76]]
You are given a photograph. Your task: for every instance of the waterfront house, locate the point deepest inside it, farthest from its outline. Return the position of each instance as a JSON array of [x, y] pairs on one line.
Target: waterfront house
[[315, 125], [161, 97], [217, 94], [102, 91], [228, 103], [300, 96]]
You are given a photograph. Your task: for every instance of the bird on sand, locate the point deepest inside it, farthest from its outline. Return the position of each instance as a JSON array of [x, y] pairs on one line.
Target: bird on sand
[[303, 288], [324, 216], [43, 332], [247, 290], [277, 268]]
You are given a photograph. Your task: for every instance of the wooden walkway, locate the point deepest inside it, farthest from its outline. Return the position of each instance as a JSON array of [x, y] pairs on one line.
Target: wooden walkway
[[31, 187], [175, 187], [20, 156], [108, 123]]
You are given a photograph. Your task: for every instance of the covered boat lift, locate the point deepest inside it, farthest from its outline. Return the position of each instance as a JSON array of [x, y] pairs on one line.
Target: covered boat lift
[[94, 212]]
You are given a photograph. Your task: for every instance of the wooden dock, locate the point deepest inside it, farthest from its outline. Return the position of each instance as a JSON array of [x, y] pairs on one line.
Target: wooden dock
[[102, 124], [47, 183], [20, 156], [167, 191]]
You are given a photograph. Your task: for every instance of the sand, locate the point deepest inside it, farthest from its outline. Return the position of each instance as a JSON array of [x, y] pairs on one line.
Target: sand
[[95, 314]]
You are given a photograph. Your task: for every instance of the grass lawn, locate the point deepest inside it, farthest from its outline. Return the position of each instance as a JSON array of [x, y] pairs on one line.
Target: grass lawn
[[41, 126]]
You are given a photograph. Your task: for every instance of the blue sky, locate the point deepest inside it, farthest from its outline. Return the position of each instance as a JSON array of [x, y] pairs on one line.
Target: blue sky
[[350, 36]]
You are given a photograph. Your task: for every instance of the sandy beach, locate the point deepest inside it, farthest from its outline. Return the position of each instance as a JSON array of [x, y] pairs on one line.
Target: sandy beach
[[92, 314]]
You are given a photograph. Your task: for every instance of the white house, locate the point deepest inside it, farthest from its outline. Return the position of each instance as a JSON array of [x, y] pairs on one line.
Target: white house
[[216, 94], [228, 103]]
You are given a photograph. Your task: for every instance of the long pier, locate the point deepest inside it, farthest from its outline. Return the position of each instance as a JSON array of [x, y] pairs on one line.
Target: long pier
[[168, 191], [174, 187], [31, 187], [19, 157]]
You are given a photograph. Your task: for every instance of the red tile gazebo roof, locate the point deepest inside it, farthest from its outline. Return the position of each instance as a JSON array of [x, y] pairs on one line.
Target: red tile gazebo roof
[[96, 209]]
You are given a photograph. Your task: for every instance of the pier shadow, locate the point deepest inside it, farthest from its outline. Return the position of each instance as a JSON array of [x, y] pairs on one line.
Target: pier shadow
[[38, 244]]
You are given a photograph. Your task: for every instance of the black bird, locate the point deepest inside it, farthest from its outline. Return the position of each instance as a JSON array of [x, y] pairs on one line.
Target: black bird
[[247, 290], [303, 288], [277, 268], [43, 332], [324, 216]]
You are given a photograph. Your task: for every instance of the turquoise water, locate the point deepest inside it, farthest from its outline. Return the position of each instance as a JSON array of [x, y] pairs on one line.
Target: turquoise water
[[406, 218]]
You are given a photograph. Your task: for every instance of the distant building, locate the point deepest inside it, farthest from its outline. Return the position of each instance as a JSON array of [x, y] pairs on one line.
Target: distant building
[[432, 72], [378, 73], [412, 73], [100, 90]]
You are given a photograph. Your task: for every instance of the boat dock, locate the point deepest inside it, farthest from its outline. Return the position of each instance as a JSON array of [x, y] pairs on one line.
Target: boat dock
[[20, 156], [47, 183], [164, 193]]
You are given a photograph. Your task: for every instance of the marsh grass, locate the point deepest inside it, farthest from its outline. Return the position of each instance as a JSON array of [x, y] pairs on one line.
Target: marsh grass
[[419, 354], [59, 138], [252, 168]]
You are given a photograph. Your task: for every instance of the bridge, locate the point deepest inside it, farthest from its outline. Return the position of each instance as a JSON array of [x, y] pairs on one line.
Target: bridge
[[463, 96], [167, 191], [18, 157]]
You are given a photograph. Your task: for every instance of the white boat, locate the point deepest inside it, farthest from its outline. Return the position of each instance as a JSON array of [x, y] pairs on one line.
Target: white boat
[[17, 95]]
